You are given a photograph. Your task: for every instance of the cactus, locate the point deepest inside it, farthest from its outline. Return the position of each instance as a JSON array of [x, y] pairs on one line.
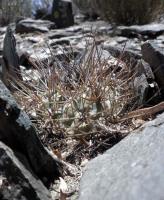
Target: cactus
[[72, 101]]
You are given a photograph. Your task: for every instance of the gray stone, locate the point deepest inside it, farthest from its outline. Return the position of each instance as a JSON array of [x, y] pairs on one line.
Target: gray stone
[[10, 61], [150, 30], [138, 69], [147, 70], [126, 55], [145, 85], [67, 32], [153, 55], [2, 30], [24, 60], [30, 26], [129, 57], [85, 7], [141, 88], [131, 170], [74, 29], [62, 13], [16, 182], [93, 52], [57, 34], [61, 41], [42, 9], [17, 131]]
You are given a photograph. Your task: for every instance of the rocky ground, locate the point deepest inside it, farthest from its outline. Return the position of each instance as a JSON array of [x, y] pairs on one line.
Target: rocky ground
[[37, 40]]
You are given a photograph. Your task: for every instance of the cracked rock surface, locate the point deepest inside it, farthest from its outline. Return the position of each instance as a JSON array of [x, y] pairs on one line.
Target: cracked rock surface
[[131, 170]]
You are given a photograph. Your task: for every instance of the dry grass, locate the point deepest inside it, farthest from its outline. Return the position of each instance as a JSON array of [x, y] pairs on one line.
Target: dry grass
[[128, 12], [11, 11]]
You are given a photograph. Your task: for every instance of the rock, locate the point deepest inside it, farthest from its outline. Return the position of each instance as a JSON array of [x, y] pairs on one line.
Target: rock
[[150, 30], [132, 45], [143, 83], [31, 25], [32, 59], [10, 61], [67, 32], [2, 30], [130, 58], [76, 10], [143, 78], [57, 34], [17, 131], [155, 57], [24, 60], [62, 13], [16, 182], [46, 59], [152, 92], [121, 40], [42, 9], [86, 8], [127, 56], [116, 52], [61, 41], [101, 27], [145, 67], [146, 88], [141, 89], [131, 170], [92, 52]]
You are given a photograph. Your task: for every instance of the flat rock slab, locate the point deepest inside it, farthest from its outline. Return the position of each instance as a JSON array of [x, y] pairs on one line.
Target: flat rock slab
[[16, 182], [131, 170], [150, 30], [30, 26]]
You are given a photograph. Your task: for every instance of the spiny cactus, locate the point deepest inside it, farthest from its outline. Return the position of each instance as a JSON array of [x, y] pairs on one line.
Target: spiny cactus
[[73, 101]]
